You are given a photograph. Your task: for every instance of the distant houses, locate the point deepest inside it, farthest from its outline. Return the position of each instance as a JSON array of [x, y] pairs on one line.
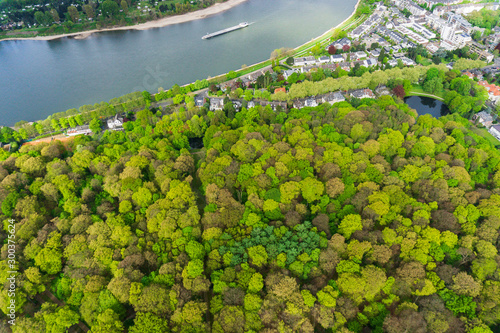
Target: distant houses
[[216, 103], [289, 72], [84, 129], [336, 58], [340, 44], [495, 131], [332, 98], [484, 118], [275, 106], [362, 93], [310, 102], [199, 101], [493, 91], [305, 61], [324, 60]]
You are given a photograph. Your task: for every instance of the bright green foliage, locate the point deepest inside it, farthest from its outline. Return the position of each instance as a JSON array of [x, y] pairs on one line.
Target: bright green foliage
[[327, 296], [252, 302], [309, 299], [194, 268], [458, 304], [311, 189], [350, 224], [195, 250], [348, 266], [315, 219], [257, 255], [60, 320], [256, 283]]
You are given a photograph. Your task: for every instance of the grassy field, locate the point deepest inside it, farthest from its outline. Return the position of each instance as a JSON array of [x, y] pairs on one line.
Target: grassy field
[[418, 91], [485, 134]]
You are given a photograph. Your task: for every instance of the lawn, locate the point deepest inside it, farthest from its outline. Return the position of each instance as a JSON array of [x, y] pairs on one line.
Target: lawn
[[426, 62], [418, 91], [485, 134]]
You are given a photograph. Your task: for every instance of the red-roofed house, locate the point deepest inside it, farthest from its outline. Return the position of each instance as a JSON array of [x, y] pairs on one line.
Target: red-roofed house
[[470, 75], [279, 89], [493, 91]]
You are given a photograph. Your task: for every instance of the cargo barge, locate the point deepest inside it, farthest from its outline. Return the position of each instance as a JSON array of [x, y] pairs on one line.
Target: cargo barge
[[225, 31]]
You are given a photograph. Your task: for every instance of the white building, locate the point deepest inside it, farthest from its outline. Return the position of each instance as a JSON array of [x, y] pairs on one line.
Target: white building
[[333, 98], [289, 72], [435, 22], [115, 122], [412, 35], [426, 33], [310, 102], [84, 129], [305, 61], [362, 93], [412, 7], [370, 62], [324, 60], [216, 104], [484, 118], [495, 131], [453, 38], [336, 58], [340, 43]]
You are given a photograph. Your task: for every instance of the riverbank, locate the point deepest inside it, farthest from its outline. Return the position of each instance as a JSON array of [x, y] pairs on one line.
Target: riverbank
[[163, 22], [328, 32], [301, 49], [154, 74]]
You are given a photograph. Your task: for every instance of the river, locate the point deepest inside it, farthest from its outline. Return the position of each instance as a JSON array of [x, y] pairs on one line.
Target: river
[[43, 77]]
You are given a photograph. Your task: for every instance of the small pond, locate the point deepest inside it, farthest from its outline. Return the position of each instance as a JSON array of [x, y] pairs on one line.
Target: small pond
[[427, 105]]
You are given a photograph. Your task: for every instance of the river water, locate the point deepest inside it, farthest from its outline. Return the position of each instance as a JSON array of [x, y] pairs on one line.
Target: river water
[[39, 78]]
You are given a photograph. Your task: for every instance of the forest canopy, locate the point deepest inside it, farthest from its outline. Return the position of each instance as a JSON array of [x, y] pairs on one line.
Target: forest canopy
[[325, 219]]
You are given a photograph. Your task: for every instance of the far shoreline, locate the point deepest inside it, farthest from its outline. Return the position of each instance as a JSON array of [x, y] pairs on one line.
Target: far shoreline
[[160, 23]]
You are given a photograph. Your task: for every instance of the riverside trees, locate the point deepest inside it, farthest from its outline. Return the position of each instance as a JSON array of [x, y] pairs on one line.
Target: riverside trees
[[327, 218]]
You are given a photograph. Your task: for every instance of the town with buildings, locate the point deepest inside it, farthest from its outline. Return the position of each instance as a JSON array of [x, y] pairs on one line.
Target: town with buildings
[[394, 33], [381, 41]]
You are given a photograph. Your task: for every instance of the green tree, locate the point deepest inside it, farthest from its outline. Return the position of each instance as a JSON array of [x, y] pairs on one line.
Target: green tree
[[95, 124], [73, 13], [145, 322], [258, 255], [350, 224], [55, 15], [109, 8], [312, 189], [256, 283], [124, 6], [89, 10]]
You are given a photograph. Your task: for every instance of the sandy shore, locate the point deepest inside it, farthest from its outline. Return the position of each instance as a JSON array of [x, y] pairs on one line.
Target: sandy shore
[[191, 16]]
